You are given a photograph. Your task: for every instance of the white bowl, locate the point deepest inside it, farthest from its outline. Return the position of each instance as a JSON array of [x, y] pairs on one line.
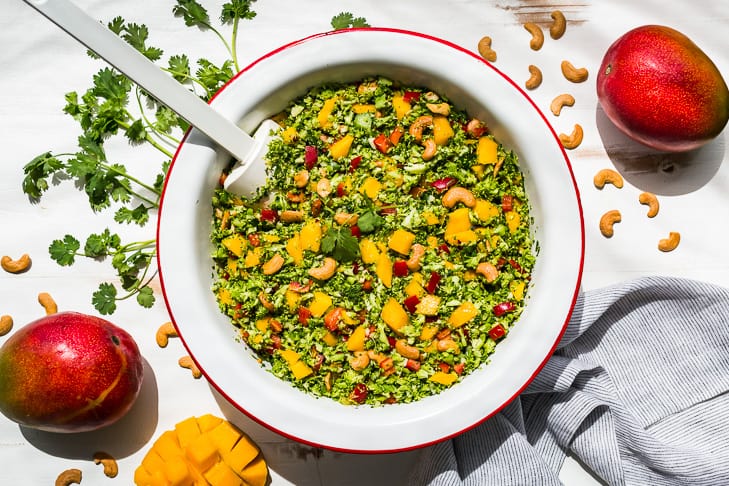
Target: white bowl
[[264, 88]]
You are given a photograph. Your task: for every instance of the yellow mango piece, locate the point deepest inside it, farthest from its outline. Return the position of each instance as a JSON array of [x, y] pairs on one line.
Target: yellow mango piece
[[167, 445], [356, 341], [415, 285], [432, 241], [187, 431], [462, 237], [142, 477], [486, 210], [361, 108], [442, 130], [201, 453], [325, 112], [292, 300], [400, 106], [513, 221], [253, 258], [310, 235], [319, 304], [401, 241], [517, 289], [462, 314], [232, 266], [262, 325], [341, 147], [294, 249], [428, 332], [220, 474], [383, 269], [371, 188], [224, 436], [486, 151], [235, 244], [289, 355], [394, 315], [330, 339], [368, 250], [152, 461], [428, 305], [300, 370], [458, 221], [430, 218], [177, 472], [244, 452], [446, 379], [256, 473], [479, 170], [225, 297], [289, 135]]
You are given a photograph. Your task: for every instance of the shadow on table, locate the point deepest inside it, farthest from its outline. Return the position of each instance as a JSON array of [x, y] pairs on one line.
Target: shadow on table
[[120, 439], [662, 173]]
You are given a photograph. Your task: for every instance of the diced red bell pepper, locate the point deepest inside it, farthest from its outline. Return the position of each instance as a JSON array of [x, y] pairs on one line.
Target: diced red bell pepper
[[444, 248], [367, 285], [304, 314], [442, 185], [300, 288], [412, 365], [444, 367], [503, 308], [359, 393], [356, 232], [269, 215], [389, 210], [507, 203], [354, 163], [497, 332], [382, 143], [332, 318], [391, 341], [254, 239], [341, 190], [311, 155], [515, 265], [400, 268], [411, 303], [396, 135], [410, 96], [458, 368], [432, 282]]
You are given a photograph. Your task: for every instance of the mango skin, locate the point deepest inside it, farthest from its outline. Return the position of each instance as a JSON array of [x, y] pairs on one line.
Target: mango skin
[[69, 372], [662, 90]]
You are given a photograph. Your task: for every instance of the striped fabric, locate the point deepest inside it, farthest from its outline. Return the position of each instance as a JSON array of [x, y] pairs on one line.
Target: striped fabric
[[637, 391]]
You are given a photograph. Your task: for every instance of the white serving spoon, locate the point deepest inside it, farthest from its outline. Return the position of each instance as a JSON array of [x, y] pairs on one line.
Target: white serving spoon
[[249, 173]]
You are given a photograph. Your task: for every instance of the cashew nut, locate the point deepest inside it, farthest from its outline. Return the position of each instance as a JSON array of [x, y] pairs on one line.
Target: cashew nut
[[535, 79], [325, 271], [430, 149], [301, 178], [267, 304], [273, 265], [537, 35], [68, 477], [559, 25], [574, 139], [45, 299], [608, 220], [650, 200], [290, 216], [347, 219], [457, 194], [188, 363], [572, 73], [416, 253], [417, 126], [6, 325], [15, 266], [165, 331], [488, 270], [447, 344], [439, 108], [670, 243], [111, 469], [484, 48], [608, 176], [324, 188], [359, 361], [560, 102], [405, 350]]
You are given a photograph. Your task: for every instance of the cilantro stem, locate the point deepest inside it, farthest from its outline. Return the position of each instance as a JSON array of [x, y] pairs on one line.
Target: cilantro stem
[[148, 138], [136, 181], [163, 135], [234, 44], [193, 79]]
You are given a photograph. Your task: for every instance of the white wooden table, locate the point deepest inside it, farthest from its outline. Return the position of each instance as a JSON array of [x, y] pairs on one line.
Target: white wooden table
[[39, 64]]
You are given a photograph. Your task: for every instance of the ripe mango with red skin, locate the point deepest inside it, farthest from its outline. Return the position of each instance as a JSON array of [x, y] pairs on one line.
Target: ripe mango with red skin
[[662, 90], [69, 372]]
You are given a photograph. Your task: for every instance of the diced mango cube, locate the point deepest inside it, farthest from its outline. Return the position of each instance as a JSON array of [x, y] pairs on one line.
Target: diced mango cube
[[368, 250], [341, 147], [415, 286], [220, 474], [167, 445], [253, 258], [356, 341], [311, 236], [201, 453], [513, 221], [401, 241], [152, 461], [517, 289], [443, 378], [224, 436], [289, 355], [401, 106], [235, 244], [394, 315], [300, 370], [462, 314], [295, 249], [485, 210], [330, 339], [486, 150], [428, 305], [383, 269], [371, 188], [442, 130], [325, 112], [430, 218], [256, 473], [262, 324], [177, 473], [225, 297], [360, 108], [289, 135], [187, 431], [458, 221], [428, 333], [462, 237], [244, 452], [319, 304], [292, 300]]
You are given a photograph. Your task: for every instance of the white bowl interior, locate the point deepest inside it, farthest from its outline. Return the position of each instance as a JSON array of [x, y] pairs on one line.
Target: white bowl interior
[[265, 88]]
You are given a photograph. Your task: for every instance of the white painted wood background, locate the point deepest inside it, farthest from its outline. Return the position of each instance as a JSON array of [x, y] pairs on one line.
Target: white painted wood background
[[39, 64]]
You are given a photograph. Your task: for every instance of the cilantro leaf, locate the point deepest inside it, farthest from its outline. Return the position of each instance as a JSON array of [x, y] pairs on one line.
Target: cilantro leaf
[[179, 67], [101, 244], [104, 299], [37, 171], [145, 297], [136, 35], [345, 20], [138, 215], [340, 244], [192, 13], [64, 251], [370, 221], [237, 9]]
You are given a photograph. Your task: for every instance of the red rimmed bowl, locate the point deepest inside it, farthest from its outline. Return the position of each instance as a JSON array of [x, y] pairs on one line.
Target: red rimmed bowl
[[265, 88]]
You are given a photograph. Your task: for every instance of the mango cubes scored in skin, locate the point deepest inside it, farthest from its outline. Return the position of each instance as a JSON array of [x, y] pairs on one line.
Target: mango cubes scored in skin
[[203, 451]]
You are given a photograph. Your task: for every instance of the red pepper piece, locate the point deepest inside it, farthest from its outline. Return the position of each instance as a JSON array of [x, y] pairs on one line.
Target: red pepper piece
[[507, 203], [400, 268], [300, 288], [367, 285], [311, 155], [411, 303], [254, 239], [444, 367], [458, 368], [444, 248], [391, 341], [269, 215], [396, 135], [304, 314], [515, 265], [388, 211], [410, 96], [432, 282], [382, 143], [332, 318], [412, 365], [354, 163], [503, 308], [359, 393], [442, 185], [341, 190], [356, 232], [497, 332]]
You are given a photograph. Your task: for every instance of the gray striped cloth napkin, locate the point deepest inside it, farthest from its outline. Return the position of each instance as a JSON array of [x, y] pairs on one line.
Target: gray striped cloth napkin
[[637, 391]]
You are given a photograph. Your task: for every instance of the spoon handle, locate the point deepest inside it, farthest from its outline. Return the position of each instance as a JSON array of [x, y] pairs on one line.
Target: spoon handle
[[135, 66]]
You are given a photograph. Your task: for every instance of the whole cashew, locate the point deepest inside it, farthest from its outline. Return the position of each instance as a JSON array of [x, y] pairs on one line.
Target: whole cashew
[[560, 102], [273, 265], [405, 350], [267, 304], [535, 79], [417, 126], [484, 48], [325, 271], [488, 270], [45, 299], [16, 266], [360, 360], [416, 253], [447, 344], [430, 149], [670, 243], [301, 178], [537, 35], [559, 25], [165, 331], [439, 108], [6, 325], [572, 73], [346, 219], [457, 194], [608, 176], [111, 469], [324, 188], [649, 199], [573, 140], [188, 363], [607, 221], [290, 216], [68, 477]]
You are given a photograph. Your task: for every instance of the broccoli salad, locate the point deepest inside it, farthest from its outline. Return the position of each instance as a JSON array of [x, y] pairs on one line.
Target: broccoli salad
[[388, 252]]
